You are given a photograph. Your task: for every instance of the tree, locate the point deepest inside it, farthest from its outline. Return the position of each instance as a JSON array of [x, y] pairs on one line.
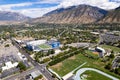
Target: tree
[[111, 55], [39, 77], [108, 66], [21, 66], [38, 56], [52, 51], [117, 71], [54, 76], [7, 45]]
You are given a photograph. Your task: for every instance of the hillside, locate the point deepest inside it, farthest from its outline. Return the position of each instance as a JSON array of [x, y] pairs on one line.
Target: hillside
[[12, 16], [112, 17], [73, 14]]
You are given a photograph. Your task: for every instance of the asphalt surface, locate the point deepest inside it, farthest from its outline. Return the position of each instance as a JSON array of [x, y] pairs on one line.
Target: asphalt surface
[[18, 76], [37, 66]]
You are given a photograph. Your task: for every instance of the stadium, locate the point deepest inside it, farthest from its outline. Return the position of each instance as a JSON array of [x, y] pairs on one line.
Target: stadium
[[39, 45]]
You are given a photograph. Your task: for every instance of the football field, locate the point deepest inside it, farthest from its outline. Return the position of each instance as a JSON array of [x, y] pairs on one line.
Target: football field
[[44, 46]]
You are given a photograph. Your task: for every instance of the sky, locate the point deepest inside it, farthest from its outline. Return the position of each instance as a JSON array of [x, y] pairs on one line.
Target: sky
[[37, 8]]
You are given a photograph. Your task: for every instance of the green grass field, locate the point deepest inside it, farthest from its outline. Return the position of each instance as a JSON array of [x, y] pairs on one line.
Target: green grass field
[[91, 53], [115, 49], [91, 75], [44, 46], [71, 63]]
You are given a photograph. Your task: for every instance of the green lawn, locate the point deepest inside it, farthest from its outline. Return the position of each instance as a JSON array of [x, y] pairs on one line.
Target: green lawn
[[91, 75], [44, 46], [70, 64], [91, 53], [67, 65], [115, 49]]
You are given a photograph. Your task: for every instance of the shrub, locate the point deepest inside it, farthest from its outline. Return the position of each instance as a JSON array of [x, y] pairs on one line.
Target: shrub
[[39, 77], [7, 45], [21, 66]]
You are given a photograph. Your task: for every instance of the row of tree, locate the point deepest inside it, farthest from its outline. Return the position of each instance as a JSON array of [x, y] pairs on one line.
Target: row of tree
[[63, 56]]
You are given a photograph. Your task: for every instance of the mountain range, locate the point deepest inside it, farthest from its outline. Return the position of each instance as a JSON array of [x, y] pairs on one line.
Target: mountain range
[[74, 14], [81, 14], [112, 17], [12, 16]]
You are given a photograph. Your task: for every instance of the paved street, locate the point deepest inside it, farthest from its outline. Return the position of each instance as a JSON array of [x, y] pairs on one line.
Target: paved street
[[37, 66], [21, 74]]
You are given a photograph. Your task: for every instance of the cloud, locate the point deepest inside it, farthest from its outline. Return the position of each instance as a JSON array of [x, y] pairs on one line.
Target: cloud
[[49, 1], [115, 1], [37, 12], [9, 6], [32, 12], [105, 4]]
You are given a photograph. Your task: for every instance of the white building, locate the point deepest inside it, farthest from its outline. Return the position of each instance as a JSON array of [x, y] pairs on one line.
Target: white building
[[101, 51], [9, 65], [36, 42], [22, 57], [35, 74], [32, 45]]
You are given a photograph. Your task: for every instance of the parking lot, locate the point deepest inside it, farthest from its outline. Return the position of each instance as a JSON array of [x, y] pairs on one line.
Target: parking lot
[[7, 50], [8, 53]]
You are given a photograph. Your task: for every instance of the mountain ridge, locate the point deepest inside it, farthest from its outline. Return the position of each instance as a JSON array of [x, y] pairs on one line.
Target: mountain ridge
[[12, 16], [81, 14], [73, 14], [112, 16]]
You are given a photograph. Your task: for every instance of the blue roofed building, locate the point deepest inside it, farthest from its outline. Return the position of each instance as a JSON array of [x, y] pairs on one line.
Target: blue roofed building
[[55, 44]]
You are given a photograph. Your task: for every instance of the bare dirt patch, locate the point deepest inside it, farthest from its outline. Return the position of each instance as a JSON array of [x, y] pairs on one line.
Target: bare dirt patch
[[96, 53], [57, 66], [72, 58], [96, 63]]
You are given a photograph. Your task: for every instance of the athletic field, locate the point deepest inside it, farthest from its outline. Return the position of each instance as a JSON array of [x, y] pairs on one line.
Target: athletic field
[[44, 46]]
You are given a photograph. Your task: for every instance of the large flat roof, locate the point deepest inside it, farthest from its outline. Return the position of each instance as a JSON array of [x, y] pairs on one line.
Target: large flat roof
[[37, 42]]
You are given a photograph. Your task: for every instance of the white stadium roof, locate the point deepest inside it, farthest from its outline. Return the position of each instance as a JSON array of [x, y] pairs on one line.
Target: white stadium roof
[[36, 42]]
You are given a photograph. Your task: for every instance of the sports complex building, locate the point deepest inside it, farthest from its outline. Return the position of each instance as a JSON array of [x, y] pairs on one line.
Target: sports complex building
[[39, 45]]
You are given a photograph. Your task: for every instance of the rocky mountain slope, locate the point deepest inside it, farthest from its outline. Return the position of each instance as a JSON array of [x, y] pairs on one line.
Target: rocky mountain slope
[[112, 17], [74, 14]]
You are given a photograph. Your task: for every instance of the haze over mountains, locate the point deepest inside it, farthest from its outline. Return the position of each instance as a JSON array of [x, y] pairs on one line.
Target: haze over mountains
[[12, 16], [75, 14]]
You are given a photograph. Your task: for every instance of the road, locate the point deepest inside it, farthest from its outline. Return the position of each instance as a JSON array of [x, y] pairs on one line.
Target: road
[[36, 65], [21, 74], [82, 70]]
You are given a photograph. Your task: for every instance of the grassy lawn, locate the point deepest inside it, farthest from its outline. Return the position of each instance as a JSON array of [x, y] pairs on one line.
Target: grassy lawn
[[115, 49], [67, 65], [91, 75], [71, 63], [44, 46], [92, 53]]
